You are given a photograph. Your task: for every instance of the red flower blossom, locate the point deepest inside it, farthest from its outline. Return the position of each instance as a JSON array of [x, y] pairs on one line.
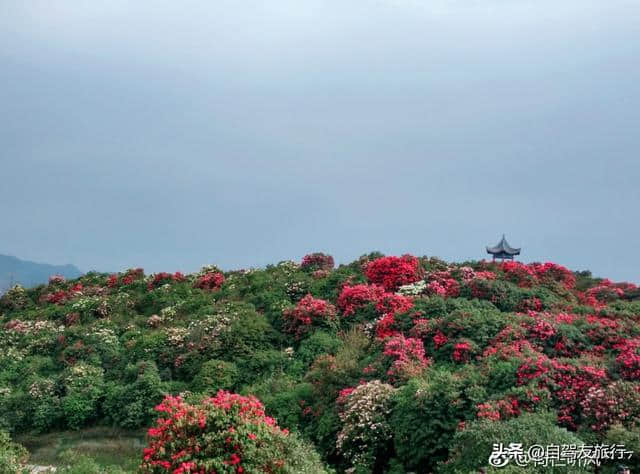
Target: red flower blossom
[[355, 297], [308, 312], [461, 351], [392, 272], [439, 339], [210, 281], [317, 261], [407, 354]]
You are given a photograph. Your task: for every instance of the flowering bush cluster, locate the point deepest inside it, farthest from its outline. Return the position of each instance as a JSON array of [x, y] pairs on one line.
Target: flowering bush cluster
[[567, 383], [162, 278], [618, 403], [355, 297], [628, 360], [606, 292], [227, 433], [393, 272], [317, 261], [308, 312], [538, 273], [407, 356], [62, 296], [15, 298], [56, 279], [386, 305], [210, 281], [384, 363], [365, 427], [129, 277], [499, 409], [462, 351]]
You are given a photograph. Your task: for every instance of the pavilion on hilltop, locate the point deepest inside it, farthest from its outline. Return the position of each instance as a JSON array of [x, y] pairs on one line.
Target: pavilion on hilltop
[[503, 250]]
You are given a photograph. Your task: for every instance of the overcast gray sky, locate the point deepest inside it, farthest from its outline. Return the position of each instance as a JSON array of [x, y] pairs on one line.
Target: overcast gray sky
[[172, 134]]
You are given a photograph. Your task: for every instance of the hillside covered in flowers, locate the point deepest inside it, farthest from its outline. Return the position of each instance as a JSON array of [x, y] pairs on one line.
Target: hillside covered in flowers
[[388, 364]]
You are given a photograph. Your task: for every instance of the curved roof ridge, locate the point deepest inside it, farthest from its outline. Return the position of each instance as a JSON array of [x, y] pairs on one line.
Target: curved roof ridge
[[503, 247]]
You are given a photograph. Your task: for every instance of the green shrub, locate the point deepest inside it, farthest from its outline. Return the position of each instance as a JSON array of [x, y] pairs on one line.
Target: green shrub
[[425, 416], [472, 446], [131, 405], [83, 384], [215, 375], [12, 455], [77, 463]]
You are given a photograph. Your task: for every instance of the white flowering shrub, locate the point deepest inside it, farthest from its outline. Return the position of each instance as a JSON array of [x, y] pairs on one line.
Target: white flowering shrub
[[105, 336], [176, 336], [91, 306], [15, 298], [168, 313], [365, 429], [413, 289], [29, 335], [209, 327]]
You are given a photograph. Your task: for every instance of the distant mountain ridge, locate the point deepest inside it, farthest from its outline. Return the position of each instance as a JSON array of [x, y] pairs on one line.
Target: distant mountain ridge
[[16, 271]]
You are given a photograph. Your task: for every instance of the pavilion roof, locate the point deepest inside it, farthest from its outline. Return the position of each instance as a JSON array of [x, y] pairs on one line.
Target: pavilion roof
[[503, 247]]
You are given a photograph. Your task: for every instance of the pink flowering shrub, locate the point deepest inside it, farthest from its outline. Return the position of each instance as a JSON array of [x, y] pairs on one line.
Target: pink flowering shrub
[[407, 357], [462, 351], [210, 281], [317, 261], [567, 383], [605, 292], [547, 273], [227, 433], [163, 278], [56, 279], [61, 297], [519, 273], [530, 304], [439, 339], [130, 276], [386, 304], [446, 287], [444, 284], [355, 297], [389, 305], [628, 360], [617, 403], [393, 303], [499, 409], [393, 272], [540, 329], [309, 312], [320, 274]]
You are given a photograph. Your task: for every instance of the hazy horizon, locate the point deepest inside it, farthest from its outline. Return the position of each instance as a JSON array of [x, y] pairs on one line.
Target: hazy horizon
[[172, 135]]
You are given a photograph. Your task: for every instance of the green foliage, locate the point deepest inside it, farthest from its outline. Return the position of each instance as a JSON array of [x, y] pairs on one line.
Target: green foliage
[[630, 439], [284, 397], [83, 387], [12, 455], [425, 417], [471, 447], [215, 375], [105, 350], [77, 463], [320, 342], [130, 405]]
